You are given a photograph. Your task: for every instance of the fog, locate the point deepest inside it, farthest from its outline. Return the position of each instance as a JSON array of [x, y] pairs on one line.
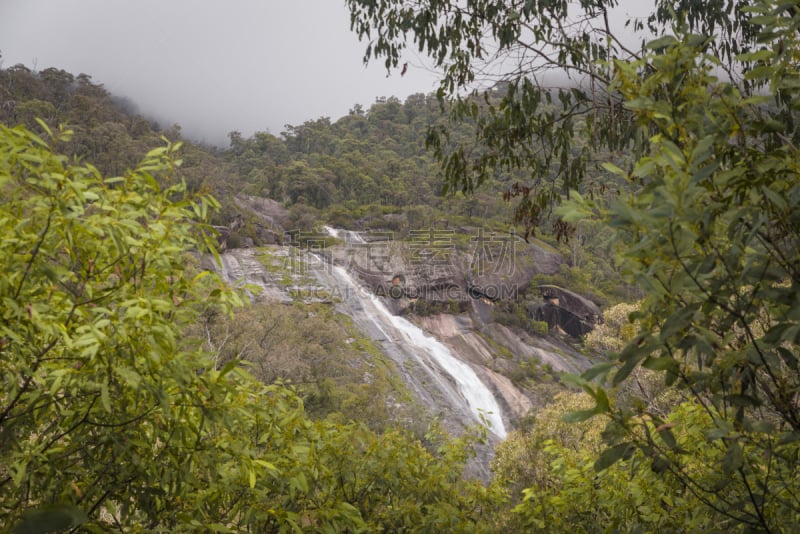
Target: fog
[[215, 66], [210, 66]]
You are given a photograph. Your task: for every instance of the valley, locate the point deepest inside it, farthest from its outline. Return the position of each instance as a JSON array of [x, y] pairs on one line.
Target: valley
[[511, 307], [457, 362]]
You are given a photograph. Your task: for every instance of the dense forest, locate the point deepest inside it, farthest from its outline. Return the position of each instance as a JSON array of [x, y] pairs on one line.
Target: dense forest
[[143, 392]]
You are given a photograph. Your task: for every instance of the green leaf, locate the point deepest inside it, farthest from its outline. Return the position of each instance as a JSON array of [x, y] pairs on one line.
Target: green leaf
[[716, 433], [228, 367], [677, 322], [665, 431], [598, 370], [702, 150], [777, 200], [578, 416], [50, 518], [603, 405], [733, 458], [696, 40], [613, 432], [742, 400], [269, 466], [44, 127], [664, 363], [612, 455], [613, 169], [704, 172], [788, 357], [763, 20], [661, 42], [761, 72], [631, 357]]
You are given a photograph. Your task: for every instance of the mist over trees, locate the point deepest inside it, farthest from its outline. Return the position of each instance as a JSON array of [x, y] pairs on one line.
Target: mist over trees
[[667, 176]]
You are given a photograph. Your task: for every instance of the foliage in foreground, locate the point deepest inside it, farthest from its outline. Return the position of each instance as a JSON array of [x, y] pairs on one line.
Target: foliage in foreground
[[715, 230], [534, 80], [566, 483], [112, 419], [702, 402], [562, 491], [707, 221]]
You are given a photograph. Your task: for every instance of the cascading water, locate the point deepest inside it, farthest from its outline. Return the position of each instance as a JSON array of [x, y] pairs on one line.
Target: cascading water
[[446, 385], [434, 356], [478, 397], [349, 236]]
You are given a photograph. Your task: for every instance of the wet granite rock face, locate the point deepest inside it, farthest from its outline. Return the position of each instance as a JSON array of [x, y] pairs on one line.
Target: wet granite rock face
[[261, 219], [568, 311], [429, 277], [427, 272], [269, 211], [438, 272], [497, 354]]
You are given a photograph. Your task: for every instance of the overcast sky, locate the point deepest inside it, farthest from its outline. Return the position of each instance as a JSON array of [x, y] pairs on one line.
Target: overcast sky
[[212, 66]]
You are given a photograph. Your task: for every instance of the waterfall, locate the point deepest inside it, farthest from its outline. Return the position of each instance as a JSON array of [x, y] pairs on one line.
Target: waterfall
[[442, 382], [350, 237], [470, 389]]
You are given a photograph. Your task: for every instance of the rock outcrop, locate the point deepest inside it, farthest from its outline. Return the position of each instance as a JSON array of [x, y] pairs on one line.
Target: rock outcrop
[[459, 291], [568, 311], [260, 221], [491, 268], [497, 351], [269, 211]]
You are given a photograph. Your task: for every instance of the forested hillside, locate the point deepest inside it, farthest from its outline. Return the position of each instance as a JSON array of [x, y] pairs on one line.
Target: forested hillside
[[369, 171], [654, 203]]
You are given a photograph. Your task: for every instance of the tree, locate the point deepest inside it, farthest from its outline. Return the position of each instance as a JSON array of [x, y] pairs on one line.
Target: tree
[[707, 218], [112, 418], [714, 240], [535, 76], [555, 461], [105, 396]]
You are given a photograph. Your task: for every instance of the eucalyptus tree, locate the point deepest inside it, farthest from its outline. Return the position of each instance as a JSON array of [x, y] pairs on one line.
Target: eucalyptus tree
[[697, 126], [536, 78], [713, 226], [113, 418]]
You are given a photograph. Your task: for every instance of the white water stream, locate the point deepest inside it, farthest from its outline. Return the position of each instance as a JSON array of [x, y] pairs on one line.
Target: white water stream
[[348, 236], [454, 380], [470, 389]]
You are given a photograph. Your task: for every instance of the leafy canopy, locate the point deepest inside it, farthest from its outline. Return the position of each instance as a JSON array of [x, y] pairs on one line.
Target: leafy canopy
[[535, 77], [713, 229], [111, 418], [698, 131]]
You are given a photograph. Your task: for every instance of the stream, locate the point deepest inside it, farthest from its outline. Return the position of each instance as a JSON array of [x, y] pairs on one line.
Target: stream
[[445, 385], [455, 379]]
